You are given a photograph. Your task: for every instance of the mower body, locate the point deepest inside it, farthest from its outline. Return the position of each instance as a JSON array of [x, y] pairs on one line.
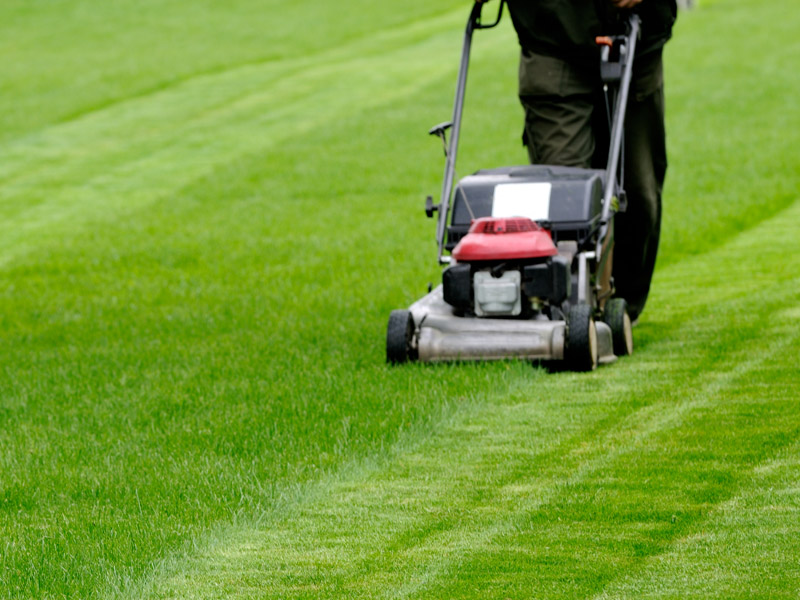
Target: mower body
[[527, 250], [515, 237]]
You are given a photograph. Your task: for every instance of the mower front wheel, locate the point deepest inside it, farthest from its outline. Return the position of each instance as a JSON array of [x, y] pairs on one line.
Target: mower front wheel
[[400, 338], [580, 353]]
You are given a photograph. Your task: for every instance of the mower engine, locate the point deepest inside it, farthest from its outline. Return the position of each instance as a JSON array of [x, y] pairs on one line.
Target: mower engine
[[507, 267]]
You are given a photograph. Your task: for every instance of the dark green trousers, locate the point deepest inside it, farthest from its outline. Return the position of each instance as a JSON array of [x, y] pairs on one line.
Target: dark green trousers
[[566, 124]]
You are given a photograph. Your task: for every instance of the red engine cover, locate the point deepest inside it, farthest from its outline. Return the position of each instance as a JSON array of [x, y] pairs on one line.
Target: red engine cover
[[491, 238]]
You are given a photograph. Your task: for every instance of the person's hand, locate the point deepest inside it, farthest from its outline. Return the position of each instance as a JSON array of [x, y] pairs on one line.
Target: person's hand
[[622, 3]]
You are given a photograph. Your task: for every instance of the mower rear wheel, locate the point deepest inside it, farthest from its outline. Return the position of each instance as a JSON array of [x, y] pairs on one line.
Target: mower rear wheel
[[617, 318], [399, 337], [580, 352]]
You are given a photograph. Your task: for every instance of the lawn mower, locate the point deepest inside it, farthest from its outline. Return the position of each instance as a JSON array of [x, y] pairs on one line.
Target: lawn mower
[[528, 274]]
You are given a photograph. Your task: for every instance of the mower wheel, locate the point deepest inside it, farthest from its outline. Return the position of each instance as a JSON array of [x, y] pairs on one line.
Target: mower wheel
[[399, 337], [580, 353], [617, 318]]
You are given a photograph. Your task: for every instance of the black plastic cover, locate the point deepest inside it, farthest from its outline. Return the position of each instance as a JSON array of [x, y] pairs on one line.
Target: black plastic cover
[[576, 197], [562, 279], [549, 281], [457, 286], [537, 281]]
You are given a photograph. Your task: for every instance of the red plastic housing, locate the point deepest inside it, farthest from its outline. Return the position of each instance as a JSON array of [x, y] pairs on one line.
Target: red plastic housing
[[491, 238]]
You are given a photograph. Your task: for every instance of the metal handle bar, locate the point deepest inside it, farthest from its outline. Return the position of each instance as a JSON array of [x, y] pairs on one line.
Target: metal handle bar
[[473, 23], [618, 129], [618, 126]]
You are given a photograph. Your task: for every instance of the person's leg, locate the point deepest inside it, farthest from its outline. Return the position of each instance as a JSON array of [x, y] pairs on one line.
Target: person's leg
[[638, 228], [564, 122], [558, 103]]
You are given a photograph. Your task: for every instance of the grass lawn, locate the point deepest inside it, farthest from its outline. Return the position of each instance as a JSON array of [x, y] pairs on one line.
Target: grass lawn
[[207, 213]]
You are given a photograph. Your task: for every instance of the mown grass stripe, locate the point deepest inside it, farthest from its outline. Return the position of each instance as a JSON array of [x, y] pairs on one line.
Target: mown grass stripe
[[153, 146], [732, 122], [340, 549], [79, 56], [737, 550]]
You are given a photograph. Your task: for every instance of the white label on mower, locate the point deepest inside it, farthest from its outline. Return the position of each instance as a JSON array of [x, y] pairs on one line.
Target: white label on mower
[[530, 200]]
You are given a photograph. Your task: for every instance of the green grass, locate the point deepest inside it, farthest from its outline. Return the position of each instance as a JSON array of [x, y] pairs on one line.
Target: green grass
[[207, 215], [681, 483]]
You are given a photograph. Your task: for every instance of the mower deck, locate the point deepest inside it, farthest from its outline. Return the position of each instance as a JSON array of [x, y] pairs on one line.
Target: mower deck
[[441, 335]]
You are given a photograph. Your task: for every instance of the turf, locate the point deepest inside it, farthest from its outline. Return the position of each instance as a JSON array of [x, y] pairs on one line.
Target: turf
[[681, 483], [207, 215]]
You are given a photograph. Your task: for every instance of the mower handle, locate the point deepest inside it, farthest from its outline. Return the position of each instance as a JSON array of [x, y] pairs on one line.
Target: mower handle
[[473, 23], [478, 8]]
